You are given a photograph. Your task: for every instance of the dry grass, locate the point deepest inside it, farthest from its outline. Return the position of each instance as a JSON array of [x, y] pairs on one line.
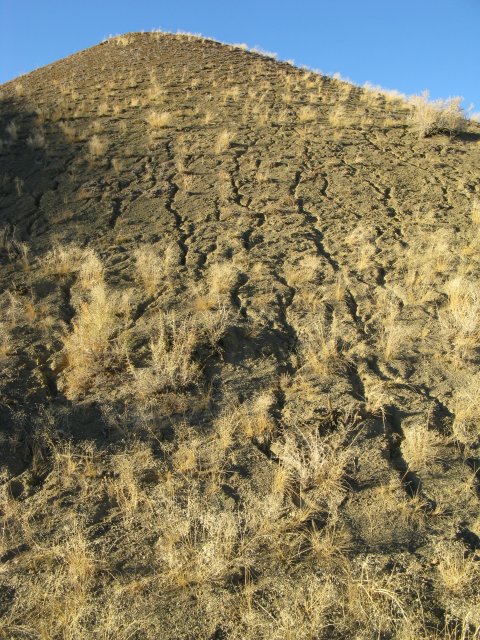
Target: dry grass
[[306, 114], [226, 457], [475, 211], [159, 120], [316, 468], [36, 140], [323, 348], [460, 319], [172, 366], [466, 424], [221, 279], [429, 117], [457, 570], [155, 268], [223, 141], [12, 130], [96, 147], [87, 347], [420, 448]]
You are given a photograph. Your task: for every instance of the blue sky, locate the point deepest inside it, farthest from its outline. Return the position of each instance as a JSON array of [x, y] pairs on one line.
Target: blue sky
[[409, 45]]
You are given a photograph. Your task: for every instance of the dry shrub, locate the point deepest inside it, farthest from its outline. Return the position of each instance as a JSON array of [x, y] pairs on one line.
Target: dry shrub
[[316, 466], [420, 447], [87, 347], [171, 366], [322, 347], [154, 268], [460, 319], [458, 571], [96, 146], [223, 141], [466, 424], [475, 213], [306, 114], [126, 487], [437, 116], [221, 278], [158, 120]]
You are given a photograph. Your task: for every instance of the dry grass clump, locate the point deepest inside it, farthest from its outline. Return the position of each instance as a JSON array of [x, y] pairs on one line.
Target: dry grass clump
[[322, 347], [252, 419], [437, 116], [171, 365], [460, 319], [154, 268], [420, 447], [64, 260], [393, 335], [87, 347], [458, 571], [223, 141], [36, 140], [339, 117], [475, 213], [308, 270], [158, 120], [466, 424], [374, 600], [68, 131], [213, 322], [96, 146], [63, 572], [198, 543], [221, 278], [12, 130], [306, 114], [316, 467], [18, 186], [11, 309], [125, 487]]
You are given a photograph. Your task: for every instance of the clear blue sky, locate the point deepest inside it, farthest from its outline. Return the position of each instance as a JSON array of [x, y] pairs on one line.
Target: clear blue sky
[[409, 45]]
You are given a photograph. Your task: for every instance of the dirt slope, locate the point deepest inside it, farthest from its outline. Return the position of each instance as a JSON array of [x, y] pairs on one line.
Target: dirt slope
[[239, 350]]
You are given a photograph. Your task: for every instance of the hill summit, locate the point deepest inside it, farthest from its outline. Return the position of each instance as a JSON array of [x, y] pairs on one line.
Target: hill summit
[[239, 343]]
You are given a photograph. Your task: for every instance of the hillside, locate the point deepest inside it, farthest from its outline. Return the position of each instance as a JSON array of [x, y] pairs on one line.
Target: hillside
[[239, 344]]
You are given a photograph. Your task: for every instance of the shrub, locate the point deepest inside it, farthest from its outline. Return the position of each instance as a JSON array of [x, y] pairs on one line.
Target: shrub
[[158, 120], [171, 366], [96, 146], [436, 116]]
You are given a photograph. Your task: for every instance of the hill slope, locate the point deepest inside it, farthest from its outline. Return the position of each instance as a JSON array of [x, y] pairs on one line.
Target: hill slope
[[240, 342]]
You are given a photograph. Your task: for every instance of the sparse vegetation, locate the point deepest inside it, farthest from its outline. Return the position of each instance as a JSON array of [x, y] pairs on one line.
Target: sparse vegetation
[[96, 146], [158, 120], [223, 141], [239, 342], [429, 117]]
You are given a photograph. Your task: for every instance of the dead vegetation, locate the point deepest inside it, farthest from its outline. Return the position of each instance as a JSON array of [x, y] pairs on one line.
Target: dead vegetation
[[239, 342]]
